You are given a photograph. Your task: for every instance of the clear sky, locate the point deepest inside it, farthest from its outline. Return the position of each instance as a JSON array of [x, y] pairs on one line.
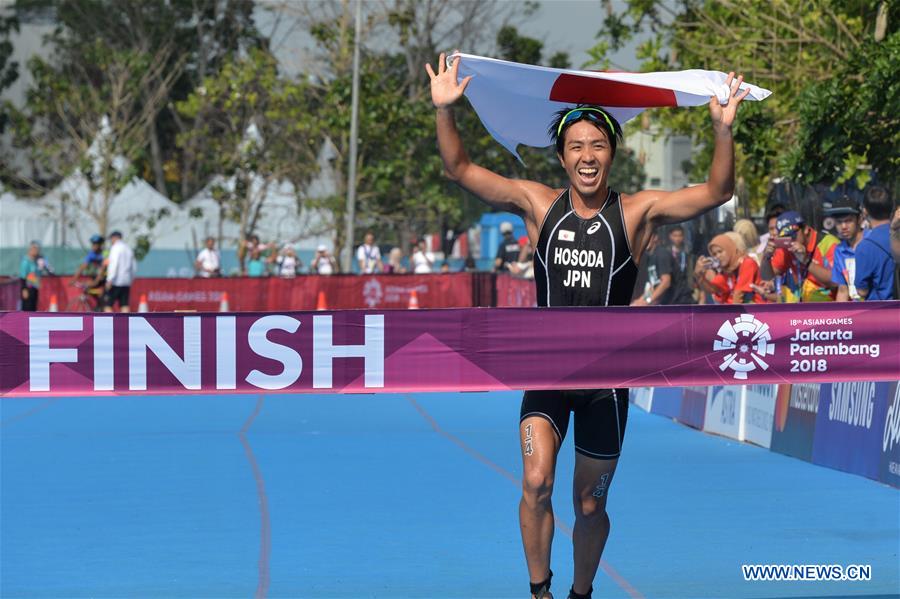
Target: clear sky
[[571, 26]]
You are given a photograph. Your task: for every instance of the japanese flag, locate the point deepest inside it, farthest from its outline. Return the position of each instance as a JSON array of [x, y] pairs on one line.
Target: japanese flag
[[516, 102]]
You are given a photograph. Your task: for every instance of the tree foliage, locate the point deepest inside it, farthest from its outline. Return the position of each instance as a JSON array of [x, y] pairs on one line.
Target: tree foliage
[[204, 33], [9, 69], [258, 132], [90, 116], [788, 46]]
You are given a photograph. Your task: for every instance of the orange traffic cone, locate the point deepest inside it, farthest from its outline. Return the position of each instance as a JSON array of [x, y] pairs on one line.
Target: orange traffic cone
[[142, 305], [413, 300], [321, 303], [223, 303], [54, 306]]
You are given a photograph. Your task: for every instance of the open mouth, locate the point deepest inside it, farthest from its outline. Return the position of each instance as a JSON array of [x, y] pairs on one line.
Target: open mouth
[[588, 174]]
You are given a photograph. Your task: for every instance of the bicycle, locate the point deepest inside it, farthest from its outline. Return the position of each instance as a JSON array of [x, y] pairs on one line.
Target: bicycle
[[85, 301]]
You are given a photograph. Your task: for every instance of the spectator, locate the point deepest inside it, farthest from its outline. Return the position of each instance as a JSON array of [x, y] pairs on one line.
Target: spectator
[[655, 271], [93, 266], [508, 250], [288, 262], [207, 263], [524, 264], [120, 271], [250, 243], [771, 218], [772, 214], [323, 263], [31, 269], [422, 259], [801, 259], [256, 265], [369, 256], [445, 267], [750, 236], [874, 264], [682, 268], [728, 273], [846, 215], [469, 265], [395, 262]]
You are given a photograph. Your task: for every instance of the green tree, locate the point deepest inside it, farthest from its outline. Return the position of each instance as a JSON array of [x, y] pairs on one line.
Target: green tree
[[90, 117], [203, 33], [9, 69], [784, 46], [849, 124], [258, 132]]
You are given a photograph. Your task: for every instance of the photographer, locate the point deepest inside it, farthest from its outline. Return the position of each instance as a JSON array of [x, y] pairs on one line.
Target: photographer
[[728, 273], [801, 259]]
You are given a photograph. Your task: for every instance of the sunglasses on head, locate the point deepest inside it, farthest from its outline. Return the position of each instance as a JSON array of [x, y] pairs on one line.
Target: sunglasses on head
[[588, 113]]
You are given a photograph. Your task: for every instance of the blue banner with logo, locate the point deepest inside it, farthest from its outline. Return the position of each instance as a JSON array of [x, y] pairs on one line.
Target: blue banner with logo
[[850, 427], [796, 409], [889, 448]]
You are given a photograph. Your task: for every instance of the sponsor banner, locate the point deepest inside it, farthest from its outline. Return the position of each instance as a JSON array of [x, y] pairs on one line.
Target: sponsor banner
[[850, 427], [513, 292], [10, 292], [642, 397], [248, 294], [693, 406], [796, 410], [667, 402], [439, 350], [889, 465], [759, 414], [723, 411]]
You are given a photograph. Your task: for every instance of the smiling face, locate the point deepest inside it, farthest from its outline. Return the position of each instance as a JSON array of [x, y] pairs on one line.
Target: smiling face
[[587, 157]]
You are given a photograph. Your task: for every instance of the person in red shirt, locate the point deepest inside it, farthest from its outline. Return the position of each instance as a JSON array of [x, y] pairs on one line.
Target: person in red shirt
[[802, 264], [728, 273]]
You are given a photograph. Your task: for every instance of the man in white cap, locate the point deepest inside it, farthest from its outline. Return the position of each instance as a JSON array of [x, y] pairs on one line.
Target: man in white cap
[[508, 250], [323, 263]]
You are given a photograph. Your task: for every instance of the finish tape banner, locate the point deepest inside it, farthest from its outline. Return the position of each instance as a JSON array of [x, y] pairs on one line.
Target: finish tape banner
[[469, 349]]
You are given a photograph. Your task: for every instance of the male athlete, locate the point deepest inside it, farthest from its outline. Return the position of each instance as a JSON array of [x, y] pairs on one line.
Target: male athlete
[[588, 240]]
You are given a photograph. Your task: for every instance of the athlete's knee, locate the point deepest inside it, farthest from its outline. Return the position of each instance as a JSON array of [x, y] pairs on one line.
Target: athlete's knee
[[537, 486], [591, 509], [590, 503]]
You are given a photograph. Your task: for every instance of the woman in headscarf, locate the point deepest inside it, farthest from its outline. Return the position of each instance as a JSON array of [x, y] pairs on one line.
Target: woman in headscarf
[[728, 273]]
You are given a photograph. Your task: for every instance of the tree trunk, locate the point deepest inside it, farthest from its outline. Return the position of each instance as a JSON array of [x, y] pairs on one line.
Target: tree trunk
[[156, 158]]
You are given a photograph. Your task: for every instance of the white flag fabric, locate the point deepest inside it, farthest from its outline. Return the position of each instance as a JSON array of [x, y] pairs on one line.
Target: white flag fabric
[[516, 102]]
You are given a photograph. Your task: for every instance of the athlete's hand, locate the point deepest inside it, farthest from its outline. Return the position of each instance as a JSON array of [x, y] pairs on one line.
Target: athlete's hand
[[445, 87], [723, 116]]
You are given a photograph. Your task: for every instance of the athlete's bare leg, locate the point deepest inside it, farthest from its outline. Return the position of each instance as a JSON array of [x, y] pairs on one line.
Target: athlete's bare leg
[[593, 479], [539, 448]]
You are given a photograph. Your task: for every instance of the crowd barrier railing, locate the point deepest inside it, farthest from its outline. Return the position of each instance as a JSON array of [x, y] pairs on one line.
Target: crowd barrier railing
[[849, 426]]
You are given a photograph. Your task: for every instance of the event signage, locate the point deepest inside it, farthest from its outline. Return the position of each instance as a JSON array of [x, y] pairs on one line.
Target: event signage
[[759, 414], [889, 468], [796, 411], [723, 411], [454, 349], [850, 427]]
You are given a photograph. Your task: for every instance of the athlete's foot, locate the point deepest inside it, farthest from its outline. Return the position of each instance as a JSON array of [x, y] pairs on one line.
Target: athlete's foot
[[541, 590], [574, 595]]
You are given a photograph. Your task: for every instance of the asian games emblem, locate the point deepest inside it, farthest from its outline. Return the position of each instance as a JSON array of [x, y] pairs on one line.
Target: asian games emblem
[[372, 292], [747, 341]]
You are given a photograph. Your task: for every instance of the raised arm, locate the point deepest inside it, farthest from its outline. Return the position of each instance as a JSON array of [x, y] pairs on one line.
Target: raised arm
[[507, 194], [685, 204]]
